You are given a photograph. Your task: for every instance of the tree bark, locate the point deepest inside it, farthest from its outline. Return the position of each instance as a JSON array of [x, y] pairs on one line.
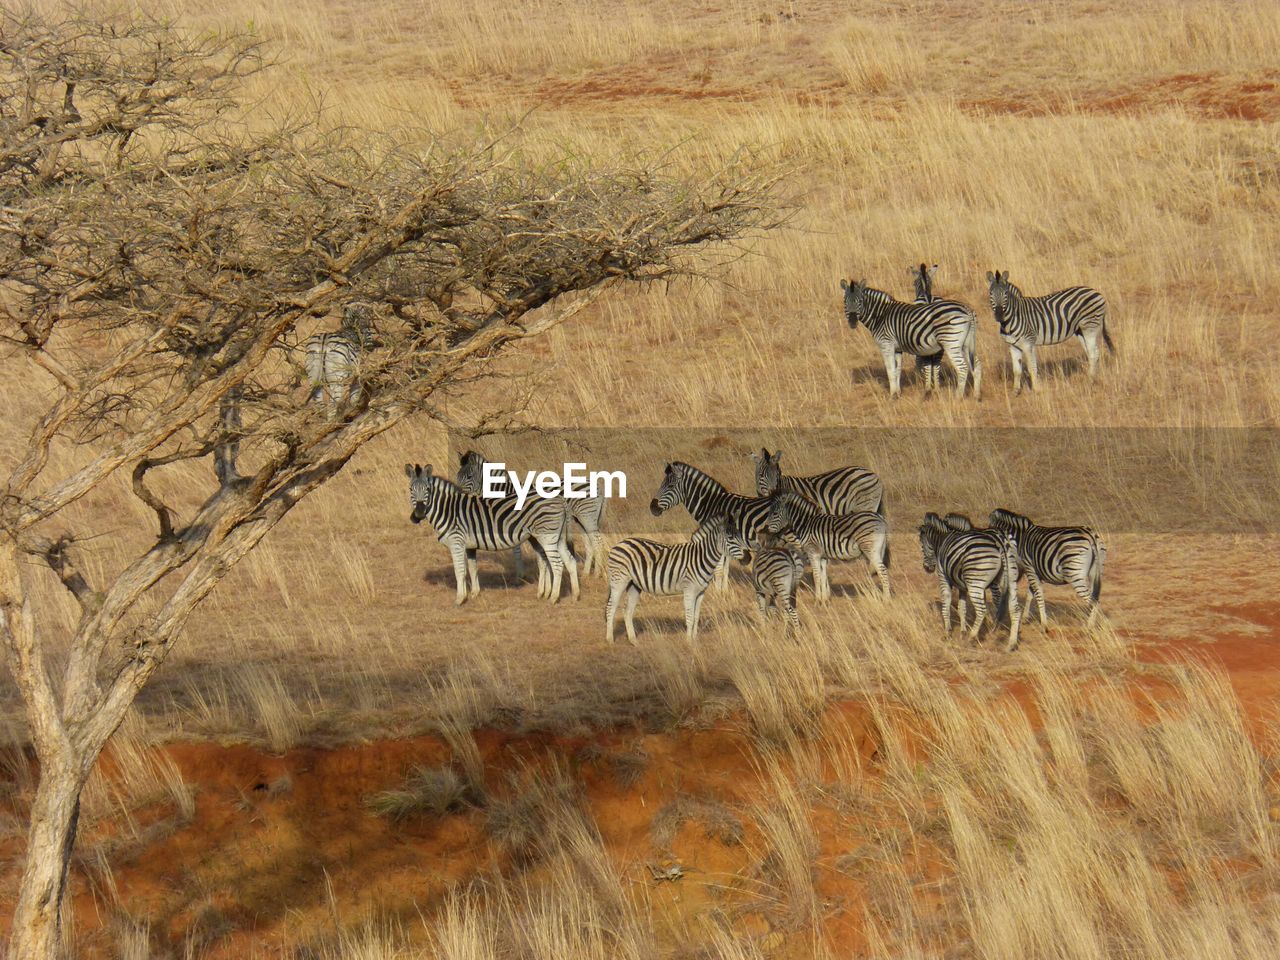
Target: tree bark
[[37, 922]]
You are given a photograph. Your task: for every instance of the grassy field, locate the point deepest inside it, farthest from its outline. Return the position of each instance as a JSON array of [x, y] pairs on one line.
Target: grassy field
[[1080, 798]]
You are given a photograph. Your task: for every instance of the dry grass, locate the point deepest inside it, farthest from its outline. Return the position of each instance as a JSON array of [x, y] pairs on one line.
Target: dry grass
[[1129, 147]]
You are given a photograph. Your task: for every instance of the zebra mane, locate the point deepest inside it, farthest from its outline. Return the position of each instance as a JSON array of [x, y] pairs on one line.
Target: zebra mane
[[934, 522], [1001, 515], [689, 471]]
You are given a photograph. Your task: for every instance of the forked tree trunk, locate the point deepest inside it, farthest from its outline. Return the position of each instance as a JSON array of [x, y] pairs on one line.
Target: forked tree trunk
[[37, 925]]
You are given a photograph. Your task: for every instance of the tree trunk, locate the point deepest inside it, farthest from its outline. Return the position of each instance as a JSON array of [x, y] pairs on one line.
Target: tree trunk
[[37, 925]]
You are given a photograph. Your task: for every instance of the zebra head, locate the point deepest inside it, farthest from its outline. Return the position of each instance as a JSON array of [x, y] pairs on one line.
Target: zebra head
[[922, 279], [781, 514], [1006, 521], [855, 301], [768, 472], [725, 533], [421, 489], [1002, 291], [931, 533], [671, 493], [471, 472], [958, 521]]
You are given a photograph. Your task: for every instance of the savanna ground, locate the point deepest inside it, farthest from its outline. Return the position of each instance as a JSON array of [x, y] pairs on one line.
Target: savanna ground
[[351, 766]]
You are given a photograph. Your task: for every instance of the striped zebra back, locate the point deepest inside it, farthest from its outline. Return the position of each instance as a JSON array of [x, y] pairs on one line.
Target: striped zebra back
[[705, 497], [840, 491], [964, 556], [1049, 551], [1048, 319], [922, 282], [470, 477], [481, 523], [917, 328]]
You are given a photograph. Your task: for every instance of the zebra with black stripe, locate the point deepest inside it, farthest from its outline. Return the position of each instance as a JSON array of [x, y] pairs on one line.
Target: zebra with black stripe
[[466, 523], [923, 329], [636, 566], [972, 562], [843, 490], [586, 512], [776, 573], [1028, 322], [332, 358], [1057, 555], [705, 497], [824, 536], [930, 367]]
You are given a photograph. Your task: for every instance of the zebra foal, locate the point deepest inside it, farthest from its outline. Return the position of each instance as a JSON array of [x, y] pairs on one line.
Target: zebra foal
[[843, 490], [586, 512], [824, 537], [972, 562], [922, 283], [332, 358], [1057, 555], [1028, 322], [776, 572], [636, 566], [465, 523], [944, 327]]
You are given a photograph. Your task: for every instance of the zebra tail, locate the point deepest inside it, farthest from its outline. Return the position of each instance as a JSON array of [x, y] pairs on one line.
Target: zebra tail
[[887, 551], [880, 504], [1010, 578], [1106, 337]]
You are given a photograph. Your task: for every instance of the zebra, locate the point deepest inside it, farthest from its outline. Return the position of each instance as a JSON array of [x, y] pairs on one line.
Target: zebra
[[843, 490], [332, 358], [1057, 555], [923, 329], [466, 523], [586, 512], [776, 572], [929, 366], [706, 497], [824, 536], [1028, 322], [636, 566], [972, 562]]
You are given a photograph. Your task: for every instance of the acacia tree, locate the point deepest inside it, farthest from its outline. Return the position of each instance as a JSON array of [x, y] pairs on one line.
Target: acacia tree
[[158, 252]]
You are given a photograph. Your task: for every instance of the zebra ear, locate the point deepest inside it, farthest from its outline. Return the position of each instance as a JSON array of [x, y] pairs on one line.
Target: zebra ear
[[667, 469], [756, 457], [1003, 279], [777, 456], [933, 271], [426, 471], [844, 284], [408, 470], [991, 278]]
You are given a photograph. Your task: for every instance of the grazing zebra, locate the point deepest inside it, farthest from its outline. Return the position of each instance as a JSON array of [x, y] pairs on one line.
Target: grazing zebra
[[972, 562], [332, 358], [923, 329], [843, 490], [586, 512], [958, 521], [1029, 322], [705, 497], [638, 566], [824, 537], [922, 281], [776, 572], [466, 523], [1058, 555]]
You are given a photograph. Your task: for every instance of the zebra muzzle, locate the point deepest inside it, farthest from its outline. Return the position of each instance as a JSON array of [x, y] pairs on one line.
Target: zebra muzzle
[[654, 508]]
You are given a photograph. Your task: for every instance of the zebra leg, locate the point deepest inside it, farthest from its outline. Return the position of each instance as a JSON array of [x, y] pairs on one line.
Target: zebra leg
[[459, 554], [963, 610], [571, 564], [825, 593], [1037, 592], [788, 604], [1015, 618], [944, 589], [551, 548], [722, 573], [955, 354], [596, 541], [633, 597], [517, 559], [473, 571], [889, 365], [1015, 359], [977, 600], [691, 598], [1090, 341], [616, 588], [763, 604], [697, 612], [1032, 370]]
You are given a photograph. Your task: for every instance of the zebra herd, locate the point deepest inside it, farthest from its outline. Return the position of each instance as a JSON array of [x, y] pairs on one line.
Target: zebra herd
[[933, 330], [928, 328], [791, 523]]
